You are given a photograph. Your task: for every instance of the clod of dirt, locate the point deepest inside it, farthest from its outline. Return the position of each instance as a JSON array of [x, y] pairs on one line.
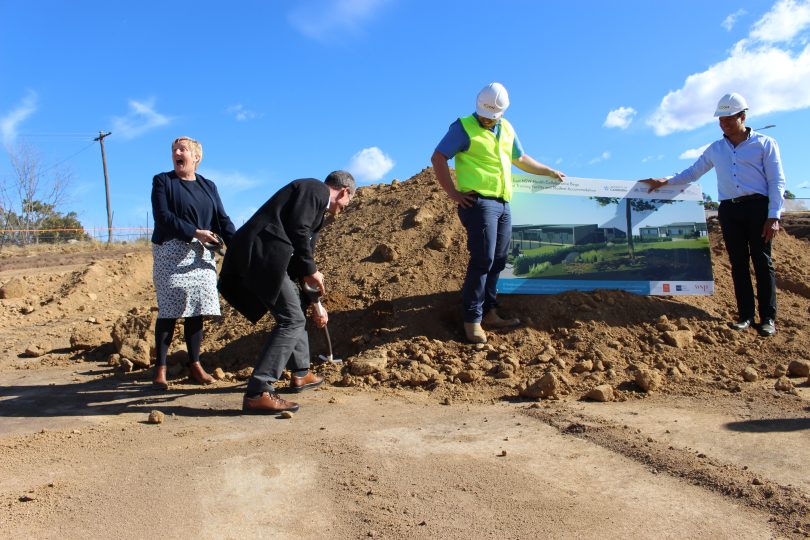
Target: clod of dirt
[[602, 393], [799, 368], [385, 253], [648, 380], [440, 242], [137, 351], [367, 365], [749, 374], [548, 386], [88, 337], [14, 288], [680, 339], [156, 417], [35, 350], [783, 384]]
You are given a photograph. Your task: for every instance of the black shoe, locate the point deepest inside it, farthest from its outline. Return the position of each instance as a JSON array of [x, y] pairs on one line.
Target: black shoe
[[767, 328], [742, 324]]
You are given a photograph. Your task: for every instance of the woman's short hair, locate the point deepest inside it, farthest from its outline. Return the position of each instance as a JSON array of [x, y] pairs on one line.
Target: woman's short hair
[[194, 144]]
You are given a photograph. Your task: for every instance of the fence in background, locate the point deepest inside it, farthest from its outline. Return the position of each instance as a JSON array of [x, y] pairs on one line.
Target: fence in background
[[97, 234]]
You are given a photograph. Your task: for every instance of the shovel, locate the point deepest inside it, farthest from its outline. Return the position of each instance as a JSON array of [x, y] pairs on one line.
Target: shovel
[[314, 296]]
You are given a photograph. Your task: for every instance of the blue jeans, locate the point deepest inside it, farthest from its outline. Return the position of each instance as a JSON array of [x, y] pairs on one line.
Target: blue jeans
[[489, 231]]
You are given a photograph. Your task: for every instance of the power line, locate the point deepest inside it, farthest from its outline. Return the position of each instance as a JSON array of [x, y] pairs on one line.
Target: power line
[[66, 159]]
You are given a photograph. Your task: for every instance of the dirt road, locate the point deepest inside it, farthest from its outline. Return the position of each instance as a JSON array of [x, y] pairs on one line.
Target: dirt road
[[77, 459]]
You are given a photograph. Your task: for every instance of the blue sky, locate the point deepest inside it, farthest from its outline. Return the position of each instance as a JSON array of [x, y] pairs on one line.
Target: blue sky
[[283, 89]]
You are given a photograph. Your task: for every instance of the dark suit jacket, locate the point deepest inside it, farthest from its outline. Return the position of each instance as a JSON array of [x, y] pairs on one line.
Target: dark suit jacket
[[166, 209], [278, 239]]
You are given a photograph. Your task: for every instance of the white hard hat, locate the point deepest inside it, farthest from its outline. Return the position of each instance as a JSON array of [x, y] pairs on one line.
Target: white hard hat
[[492, 101], [731, 104]]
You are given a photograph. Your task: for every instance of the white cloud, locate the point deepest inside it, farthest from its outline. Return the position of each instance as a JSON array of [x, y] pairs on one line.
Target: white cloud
[[601, 157], [647, 159], [322, 19], [729, 22], [620, 118], [783, 22], [803, 185], [370, 164], [12, 120], [772, 78], [241, 114], [693, 153], [230, 181], [141, 118]]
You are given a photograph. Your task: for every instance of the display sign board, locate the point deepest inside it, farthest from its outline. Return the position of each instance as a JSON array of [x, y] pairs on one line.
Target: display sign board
[[585, 234]]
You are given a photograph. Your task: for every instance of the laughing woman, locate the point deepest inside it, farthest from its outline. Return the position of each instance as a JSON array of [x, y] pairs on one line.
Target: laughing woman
[[190, 223]]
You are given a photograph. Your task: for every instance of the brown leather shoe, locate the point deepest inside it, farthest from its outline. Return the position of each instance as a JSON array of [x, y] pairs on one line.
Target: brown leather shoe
[[196, 372], [159, 382], [267, 403], [310, 380]]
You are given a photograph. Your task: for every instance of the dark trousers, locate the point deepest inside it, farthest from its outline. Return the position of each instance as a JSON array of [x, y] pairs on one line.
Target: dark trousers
[[489, 231], [742, 225], [288, 344]]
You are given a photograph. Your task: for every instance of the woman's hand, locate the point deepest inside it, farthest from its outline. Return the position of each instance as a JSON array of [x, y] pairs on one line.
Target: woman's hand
[[206, 236]]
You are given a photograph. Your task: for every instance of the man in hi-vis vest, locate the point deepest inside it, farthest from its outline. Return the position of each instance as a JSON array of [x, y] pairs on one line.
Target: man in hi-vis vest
[[484, 146]]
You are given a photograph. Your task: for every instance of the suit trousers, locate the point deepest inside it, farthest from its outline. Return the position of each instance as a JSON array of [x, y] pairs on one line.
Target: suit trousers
[[489, 231], [742, 223], [288, 343]]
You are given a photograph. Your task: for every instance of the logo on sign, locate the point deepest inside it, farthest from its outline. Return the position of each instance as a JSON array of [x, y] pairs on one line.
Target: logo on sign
[[678, 287], [666, 287]]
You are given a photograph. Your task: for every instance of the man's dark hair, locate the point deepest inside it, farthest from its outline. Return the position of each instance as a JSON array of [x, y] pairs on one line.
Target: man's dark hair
[[340, 180]]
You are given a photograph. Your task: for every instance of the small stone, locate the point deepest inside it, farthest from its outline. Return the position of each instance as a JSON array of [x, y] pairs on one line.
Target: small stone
[[469, 375], [35, 350], [799, 368], [601, 393], [125, 365], [783, 384], [749, 374], [648, 380], [27, 498], [757, 482], [156, 417], [14, 288], [583, 366], [385, 253], [286, 414], [547, 386], [502, 454], [219, 374], [679, 339]]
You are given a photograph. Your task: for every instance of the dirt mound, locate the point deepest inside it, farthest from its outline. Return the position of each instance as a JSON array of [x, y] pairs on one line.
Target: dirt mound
[[394, 264]]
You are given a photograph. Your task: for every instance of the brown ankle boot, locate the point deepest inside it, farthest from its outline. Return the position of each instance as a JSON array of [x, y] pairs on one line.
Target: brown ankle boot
[[196, 372], [159, 381]]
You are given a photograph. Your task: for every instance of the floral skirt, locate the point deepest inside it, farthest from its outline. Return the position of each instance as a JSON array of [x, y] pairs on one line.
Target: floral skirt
[[185, 277]]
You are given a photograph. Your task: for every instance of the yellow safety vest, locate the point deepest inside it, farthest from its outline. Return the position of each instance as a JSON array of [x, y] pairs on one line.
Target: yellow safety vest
[[486, 167]]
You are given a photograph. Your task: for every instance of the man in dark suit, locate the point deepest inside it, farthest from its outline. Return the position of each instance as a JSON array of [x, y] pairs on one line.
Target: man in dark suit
[[265, 259]]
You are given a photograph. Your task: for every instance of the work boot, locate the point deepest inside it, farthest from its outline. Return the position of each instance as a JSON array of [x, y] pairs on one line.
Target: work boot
[[474, 332], [159, 382], [492, 320], [196, 372]]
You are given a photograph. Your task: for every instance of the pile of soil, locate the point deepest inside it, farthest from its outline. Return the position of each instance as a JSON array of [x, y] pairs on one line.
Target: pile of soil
[[394, 264]]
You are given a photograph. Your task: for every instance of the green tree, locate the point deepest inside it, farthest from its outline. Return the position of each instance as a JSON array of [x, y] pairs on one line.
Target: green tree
[[789, 195]]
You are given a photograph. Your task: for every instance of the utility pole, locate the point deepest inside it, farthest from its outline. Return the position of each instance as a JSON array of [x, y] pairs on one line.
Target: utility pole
[[100, 139]]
